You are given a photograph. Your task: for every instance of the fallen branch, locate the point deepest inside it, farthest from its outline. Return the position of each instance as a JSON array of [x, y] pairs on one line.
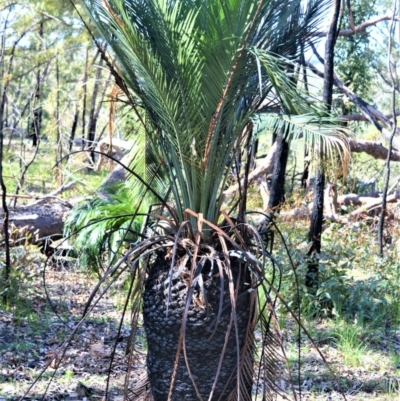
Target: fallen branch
[[374, 204], [54, 194], [305, 213], [40, 199], [355, 199], [360, 117], [374, 149], [264, 167]]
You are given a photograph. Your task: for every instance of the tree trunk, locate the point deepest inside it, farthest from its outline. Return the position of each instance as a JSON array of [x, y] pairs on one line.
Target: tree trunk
[[277, 190], [203, 345], [37, 109], [84, 97], [73, 128], [59, 151], [314, 236], [92, 114]]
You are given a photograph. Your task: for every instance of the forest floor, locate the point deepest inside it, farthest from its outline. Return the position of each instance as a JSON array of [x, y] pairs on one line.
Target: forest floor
[[31, 332]]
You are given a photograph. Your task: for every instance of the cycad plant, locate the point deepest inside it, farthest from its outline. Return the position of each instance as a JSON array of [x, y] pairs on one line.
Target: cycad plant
[[200, 71]]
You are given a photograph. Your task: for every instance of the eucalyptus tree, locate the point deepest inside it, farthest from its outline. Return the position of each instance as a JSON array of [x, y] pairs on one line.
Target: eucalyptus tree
[[201, 70]]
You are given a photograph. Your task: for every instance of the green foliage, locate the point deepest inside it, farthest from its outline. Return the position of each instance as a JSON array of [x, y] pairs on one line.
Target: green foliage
[[200, 73], [20, 278], [370, 297], [101, 228], [354, 54], [347, 338]]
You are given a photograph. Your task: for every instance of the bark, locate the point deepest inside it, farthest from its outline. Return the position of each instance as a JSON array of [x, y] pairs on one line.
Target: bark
[[331, 199], [73, 128], [355, 199], [374, 149], [374, 204], [277, 191], [37, 111], [366, 203], [59, 152], [360, 117], [84, 98], [203, 349], [314, 235]]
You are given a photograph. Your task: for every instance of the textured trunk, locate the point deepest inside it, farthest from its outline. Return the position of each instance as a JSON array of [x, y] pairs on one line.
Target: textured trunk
[[37, 112], [73, 128], [91, 135], [277, 190], [84, 97], [314, 235], [315, 232], [59, 151], [203, 348]]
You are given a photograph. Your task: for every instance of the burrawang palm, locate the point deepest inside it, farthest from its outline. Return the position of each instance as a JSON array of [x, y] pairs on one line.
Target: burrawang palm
[[201, 70]]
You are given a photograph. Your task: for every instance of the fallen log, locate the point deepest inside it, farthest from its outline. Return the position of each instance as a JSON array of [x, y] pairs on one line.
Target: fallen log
[[376, 203], [368, 203], [355, 199], [305, 213], [374, 149], [265, 166], [36, 223]]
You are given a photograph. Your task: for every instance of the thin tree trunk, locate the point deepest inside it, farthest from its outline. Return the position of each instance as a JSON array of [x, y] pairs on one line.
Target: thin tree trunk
[[315, 232], [59, 152], [394, 129], [24, 166], [277, 189], [3, 91], [37, 109], [84, 99], [74, 127], [92, 114]]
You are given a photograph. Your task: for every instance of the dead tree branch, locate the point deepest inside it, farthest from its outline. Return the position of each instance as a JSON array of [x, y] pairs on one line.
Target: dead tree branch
[[361, 27], [374, 116]]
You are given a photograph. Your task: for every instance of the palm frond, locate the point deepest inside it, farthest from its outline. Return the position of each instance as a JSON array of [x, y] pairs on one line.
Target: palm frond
[[104, 224], [317, 132], [193, 67]]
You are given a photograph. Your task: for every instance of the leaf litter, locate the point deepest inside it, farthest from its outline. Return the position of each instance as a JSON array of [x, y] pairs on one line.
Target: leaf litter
[[31, 333]]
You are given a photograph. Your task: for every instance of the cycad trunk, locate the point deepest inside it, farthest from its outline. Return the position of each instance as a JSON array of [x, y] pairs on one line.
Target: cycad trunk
[[203, 347]]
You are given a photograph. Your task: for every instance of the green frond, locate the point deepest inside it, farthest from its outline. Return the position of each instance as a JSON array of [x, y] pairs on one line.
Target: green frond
[[318, 132], [106, 223], [195, 67]]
